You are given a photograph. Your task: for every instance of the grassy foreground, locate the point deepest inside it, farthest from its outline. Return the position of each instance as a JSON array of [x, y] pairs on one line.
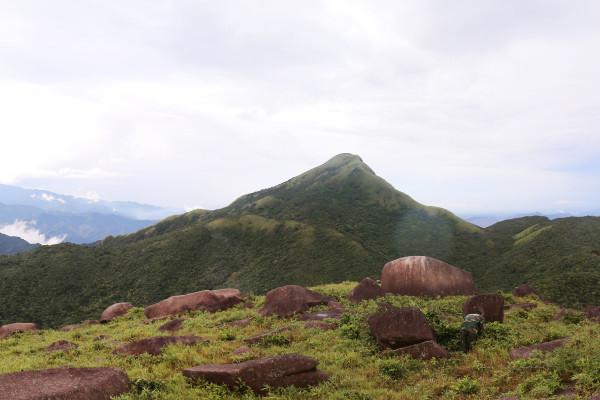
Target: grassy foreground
[[359, 371]]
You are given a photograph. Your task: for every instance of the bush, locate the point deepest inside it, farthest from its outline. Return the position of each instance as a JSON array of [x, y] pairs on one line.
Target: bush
[[466, 385], [540, 385], [445, 334]]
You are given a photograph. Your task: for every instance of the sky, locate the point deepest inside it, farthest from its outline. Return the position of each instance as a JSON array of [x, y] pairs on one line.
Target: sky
[[476, 106]]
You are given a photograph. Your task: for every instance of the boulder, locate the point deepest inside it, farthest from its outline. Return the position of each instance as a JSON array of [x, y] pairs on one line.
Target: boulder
[[399, 327], [205, 300], [71, 327], [64, 384], [154, 345], [425, 276], [423, 351], [171, 326], [288, 300], [367, 289], [523, 290], [61, 345], [114, 311], [546, 347], [592, 313], [275, 372], [491, 306], [7, 330]]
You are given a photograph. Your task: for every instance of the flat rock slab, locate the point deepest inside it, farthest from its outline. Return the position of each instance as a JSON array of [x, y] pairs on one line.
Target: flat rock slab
[[10, 329], [72, 327], [423, 351], [61, 345], [171, 326], [155, 345], [546, 347], [205, 300], [64, 384], [280, 371], [288, 300]]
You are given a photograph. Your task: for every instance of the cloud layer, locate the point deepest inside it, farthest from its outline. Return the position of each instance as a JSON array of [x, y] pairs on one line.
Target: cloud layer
[[475, 106], [28, 231]]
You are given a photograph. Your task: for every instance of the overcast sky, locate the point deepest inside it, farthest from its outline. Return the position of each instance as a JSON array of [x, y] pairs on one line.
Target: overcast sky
[[476, 106]]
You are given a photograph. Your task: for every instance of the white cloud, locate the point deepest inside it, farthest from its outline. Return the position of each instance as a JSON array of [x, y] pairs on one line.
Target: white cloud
[[27, 230]]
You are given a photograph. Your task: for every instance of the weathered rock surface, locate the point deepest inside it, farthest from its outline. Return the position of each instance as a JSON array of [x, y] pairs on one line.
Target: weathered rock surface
[[491, 306], [523, 290], [367, 289], [7, 330], [64, 384], [546, 347], [114, 311], [592, 313], [280, 371], [171, 326], [399, 327], [71, 327], [288, 300], [259, 338], [61, 345], [423, 351], [205, 300], [425, 276], [154, 345]]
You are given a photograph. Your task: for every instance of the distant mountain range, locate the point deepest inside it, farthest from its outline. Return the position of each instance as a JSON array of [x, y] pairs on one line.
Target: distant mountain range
[[336, 222], [45, 217]]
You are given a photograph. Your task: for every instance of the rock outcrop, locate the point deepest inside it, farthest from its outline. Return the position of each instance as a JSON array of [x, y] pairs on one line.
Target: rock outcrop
[[423, 351], [7, 330], [399, 327], [64, 384], [205, 300], [61, 345], [171, 326], [523, 290], [154, 345], [367, 289], [490, 306], [288, 300], [546, 347], [425, 276], [114, 311], [275, 372]]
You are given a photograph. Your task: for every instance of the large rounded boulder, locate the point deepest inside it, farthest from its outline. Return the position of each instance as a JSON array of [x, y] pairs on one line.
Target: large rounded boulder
[[7, 330], [205, 300], [114, 311], [490, 306], [288, 300], [425, 276]]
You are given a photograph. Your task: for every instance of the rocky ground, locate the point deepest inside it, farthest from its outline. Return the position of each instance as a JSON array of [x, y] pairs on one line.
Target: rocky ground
[[391, 347]]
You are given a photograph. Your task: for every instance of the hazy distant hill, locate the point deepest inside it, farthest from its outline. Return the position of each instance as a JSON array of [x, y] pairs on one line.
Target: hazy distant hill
[[336, 222], [14, 245]]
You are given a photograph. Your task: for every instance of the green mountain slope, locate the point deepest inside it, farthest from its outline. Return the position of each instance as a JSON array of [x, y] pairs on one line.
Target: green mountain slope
[[336, 222], [14, 245]]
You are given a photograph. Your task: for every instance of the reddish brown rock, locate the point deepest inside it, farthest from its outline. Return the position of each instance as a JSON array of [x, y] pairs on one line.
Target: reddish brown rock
[[206, 300], [87, 322], [367, 289], [275, 372], [288, 300], [171, 326], [527, 351], [240, 351], [592, 313], [61, 345], [324, 326], [425, 276], [423, 351], [490, 306], [154, 345], [399, 327], [114, 311], [64, 384], [523, 290], [7, 330]]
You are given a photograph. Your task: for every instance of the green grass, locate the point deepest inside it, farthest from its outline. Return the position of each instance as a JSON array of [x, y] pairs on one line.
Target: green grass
[[349, 354]]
